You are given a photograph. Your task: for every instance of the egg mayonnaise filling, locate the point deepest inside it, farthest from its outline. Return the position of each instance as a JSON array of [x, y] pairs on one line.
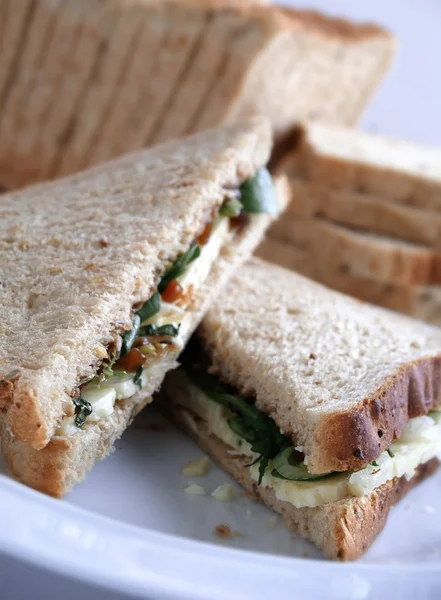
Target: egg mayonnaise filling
[[419, 443]]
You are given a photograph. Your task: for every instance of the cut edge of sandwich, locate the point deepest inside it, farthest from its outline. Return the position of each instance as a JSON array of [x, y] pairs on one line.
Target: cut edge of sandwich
[[105, 407], [372, 422], [32, 404], [343, 528]]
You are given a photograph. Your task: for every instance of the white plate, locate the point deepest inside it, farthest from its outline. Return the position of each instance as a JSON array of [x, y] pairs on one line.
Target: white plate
[[130, 527]]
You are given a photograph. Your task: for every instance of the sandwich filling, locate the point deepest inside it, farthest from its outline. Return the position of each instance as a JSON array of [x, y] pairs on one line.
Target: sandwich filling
[[275, 463], [162, 324]]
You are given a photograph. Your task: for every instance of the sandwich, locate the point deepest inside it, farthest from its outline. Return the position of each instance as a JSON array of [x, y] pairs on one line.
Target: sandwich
[[324, 408], [364, 218], [104, 275], [85, 81]]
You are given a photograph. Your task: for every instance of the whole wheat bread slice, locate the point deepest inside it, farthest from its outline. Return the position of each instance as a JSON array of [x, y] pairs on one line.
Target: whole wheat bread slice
[[285, 61], [17, 15], [33, 54], [128, 109], [343, 530], [76, 255], [65, 461], [321, 363], [366, 211], [184, 28], [420, 301], [345, 159], [99, 96], [360, 253], [65, 126], [222, 28], [35, 129]]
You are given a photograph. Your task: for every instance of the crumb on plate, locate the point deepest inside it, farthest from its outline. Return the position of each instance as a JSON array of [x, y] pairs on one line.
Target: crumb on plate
[[197, 467], [223, 493], [195, 490], [223, 531]]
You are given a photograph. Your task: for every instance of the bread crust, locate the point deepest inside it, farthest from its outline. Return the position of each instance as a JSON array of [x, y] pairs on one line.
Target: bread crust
[[366, 212], [322, 363], [361, 253], [69, 280], [335, 27], [343, 159], [343, 530], [381, 418]]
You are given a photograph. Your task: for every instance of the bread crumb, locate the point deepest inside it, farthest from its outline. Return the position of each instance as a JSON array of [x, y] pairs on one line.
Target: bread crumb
[[223, 493], [223, 531], [429, 509], [306, 555], [195, 490], [272, 522], [248, 513], [197, 467], [237, 533]]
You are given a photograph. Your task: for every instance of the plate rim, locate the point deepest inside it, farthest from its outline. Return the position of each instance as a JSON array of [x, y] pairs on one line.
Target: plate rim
[[146, 580]]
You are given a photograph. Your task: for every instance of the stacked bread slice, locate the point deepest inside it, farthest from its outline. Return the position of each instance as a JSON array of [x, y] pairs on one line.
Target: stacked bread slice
[[365, 218], [83, 81]]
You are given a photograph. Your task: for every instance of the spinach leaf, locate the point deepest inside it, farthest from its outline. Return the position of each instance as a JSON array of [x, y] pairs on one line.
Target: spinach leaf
[[138, 377], [150, 308], [147, 310], [258, 194], [153, 329], [82, 410], [130, 336], [259, 430], [178, 268]]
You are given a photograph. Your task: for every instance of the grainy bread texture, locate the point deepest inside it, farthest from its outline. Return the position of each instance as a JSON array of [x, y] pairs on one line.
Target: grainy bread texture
[[76, 255], [343, 530], [65, 461], [361, 253], [422, 301], [320, 363], [367, 212], [396, 170], [206, 62]]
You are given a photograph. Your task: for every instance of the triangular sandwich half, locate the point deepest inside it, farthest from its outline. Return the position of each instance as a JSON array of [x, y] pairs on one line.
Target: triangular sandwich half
[[104, 276], [323, 407]]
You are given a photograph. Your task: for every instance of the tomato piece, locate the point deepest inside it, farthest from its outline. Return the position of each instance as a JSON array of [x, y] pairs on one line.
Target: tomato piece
[[239, 222], [132, 360], [202, 239], [172, 292]]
